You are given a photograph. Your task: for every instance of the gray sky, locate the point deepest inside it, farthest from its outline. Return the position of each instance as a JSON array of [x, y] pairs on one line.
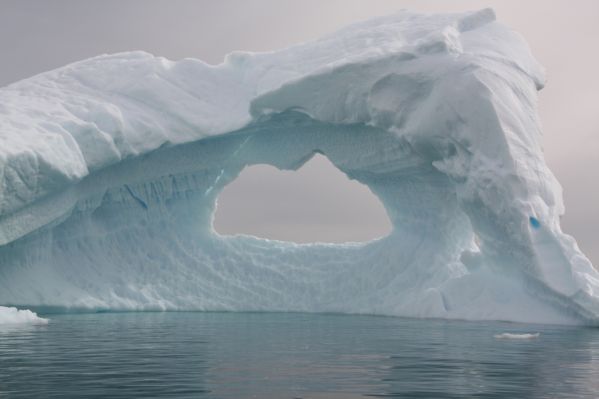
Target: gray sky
[[40, 35]]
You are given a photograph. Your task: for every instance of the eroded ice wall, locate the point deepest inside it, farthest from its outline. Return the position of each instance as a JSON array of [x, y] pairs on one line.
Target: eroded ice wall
[[111, 168]]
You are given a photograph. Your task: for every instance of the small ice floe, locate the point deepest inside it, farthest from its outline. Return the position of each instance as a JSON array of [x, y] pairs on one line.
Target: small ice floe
[[12, 316], [517, 336]]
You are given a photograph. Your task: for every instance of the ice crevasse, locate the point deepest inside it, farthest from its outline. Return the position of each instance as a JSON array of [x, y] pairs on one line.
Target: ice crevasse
[[110, 169]]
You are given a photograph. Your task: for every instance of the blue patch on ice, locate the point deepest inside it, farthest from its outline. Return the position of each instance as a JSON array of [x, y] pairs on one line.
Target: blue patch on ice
[[534, 222], [136, 198]]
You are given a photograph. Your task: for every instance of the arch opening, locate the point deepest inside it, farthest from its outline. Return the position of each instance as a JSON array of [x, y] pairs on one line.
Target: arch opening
[[315, 203]]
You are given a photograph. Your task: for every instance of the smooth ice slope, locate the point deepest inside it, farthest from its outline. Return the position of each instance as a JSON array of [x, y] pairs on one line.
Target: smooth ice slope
[[110, 169]]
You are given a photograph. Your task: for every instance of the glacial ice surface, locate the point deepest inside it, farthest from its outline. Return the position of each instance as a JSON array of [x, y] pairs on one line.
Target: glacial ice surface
[[110, 169]]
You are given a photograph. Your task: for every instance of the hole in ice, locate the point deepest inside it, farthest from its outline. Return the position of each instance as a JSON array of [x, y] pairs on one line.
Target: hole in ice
[[316, 203]]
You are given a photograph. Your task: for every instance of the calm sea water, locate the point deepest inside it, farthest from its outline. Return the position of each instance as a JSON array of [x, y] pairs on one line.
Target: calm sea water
[[277, 355]]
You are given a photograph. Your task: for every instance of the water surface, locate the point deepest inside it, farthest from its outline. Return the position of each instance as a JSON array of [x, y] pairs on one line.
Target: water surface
[[278, 355]]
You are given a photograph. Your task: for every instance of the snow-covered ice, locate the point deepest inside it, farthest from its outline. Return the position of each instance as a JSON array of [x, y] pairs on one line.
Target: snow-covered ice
[[110, 169], [11, 316]]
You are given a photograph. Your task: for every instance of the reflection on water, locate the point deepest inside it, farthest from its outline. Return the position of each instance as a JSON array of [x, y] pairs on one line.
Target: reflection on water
[[277, 355]]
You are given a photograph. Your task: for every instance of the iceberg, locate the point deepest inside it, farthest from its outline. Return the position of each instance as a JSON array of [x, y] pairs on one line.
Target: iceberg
[[110, 169], [13, 316]]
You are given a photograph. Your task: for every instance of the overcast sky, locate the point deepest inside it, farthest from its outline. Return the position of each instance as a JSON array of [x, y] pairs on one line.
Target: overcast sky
[[36, 36]]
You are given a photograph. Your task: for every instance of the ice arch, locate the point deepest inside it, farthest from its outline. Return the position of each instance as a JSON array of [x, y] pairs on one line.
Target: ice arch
[[110, 169], [315, 203]]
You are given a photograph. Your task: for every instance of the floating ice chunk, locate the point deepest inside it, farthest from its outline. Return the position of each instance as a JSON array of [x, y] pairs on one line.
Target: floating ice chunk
[[10, 315], [517, 336]]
